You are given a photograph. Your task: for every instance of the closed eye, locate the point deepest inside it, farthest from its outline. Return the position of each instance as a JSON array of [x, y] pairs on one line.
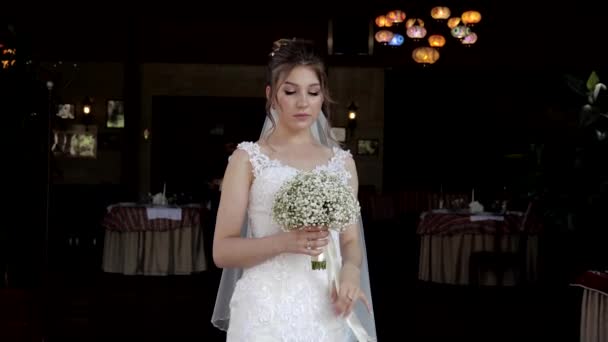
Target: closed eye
[[312, 93]]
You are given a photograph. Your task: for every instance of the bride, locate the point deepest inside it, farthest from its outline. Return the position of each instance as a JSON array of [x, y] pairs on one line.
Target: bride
[[268, 291]]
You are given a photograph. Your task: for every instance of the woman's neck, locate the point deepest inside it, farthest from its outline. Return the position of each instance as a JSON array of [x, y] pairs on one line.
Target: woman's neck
[[283, 136]]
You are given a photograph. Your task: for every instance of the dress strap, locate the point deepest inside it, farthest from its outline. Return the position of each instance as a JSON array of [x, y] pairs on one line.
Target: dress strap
[[338, 163], [341, 155], [257, 159]]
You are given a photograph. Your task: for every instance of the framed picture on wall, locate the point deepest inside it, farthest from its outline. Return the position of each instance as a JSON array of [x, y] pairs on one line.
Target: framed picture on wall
[[368, 147], [66, 111], [77, 141], [115, 114]]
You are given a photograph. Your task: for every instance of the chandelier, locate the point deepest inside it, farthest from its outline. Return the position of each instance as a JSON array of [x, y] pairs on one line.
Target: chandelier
[[427, 33]]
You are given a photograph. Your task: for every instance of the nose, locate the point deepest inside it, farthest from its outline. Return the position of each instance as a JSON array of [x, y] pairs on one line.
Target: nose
[[302, 101]]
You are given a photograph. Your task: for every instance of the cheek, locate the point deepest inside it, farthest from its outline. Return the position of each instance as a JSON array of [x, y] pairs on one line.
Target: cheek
[[317, 102], [283, 101]]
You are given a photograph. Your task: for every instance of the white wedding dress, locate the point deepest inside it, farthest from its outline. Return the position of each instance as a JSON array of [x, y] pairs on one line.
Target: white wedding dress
[[283, 299]]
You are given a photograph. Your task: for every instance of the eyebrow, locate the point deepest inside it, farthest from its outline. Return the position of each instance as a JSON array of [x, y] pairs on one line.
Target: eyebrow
[[297, 85]]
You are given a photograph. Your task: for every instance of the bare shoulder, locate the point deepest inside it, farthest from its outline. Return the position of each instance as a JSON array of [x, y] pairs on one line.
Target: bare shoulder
[[239, 161], [349, 164], [239, 156]]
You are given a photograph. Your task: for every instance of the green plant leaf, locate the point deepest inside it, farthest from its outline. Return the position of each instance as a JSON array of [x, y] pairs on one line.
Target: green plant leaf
[[592, 81]]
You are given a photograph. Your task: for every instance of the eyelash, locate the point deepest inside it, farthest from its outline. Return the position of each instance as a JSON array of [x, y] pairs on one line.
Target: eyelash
[[293, 92]]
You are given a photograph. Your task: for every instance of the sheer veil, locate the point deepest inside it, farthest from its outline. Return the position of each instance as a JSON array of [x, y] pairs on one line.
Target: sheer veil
[[221, 313]]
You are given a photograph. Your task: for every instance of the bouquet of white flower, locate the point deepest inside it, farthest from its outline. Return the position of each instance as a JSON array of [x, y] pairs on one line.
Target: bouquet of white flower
[[315, 199]]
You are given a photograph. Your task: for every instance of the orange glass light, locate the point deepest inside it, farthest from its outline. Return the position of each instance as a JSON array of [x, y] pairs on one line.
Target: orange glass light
[[425, 55], [440, 12], [471, 17], [436, 40]]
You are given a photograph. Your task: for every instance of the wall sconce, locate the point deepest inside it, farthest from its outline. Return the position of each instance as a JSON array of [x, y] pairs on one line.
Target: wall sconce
[[352, 115], [86, 106], [352, 111]]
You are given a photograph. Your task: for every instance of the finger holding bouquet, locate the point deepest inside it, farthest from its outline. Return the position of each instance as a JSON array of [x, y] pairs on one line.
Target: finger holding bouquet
[[309, 240]]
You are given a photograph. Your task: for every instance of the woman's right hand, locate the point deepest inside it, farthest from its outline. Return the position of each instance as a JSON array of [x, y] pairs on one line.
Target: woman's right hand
[[309, 240]]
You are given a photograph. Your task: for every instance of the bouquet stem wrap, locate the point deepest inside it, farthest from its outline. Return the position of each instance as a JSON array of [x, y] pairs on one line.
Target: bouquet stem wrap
[[319, 262]]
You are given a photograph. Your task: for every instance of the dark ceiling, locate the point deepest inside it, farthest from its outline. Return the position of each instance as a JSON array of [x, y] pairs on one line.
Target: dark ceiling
[[511, 34]]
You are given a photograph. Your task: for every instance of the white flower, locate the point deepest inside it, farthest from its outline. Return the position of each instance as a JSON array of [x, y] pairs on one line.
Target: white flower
[[315, 199]]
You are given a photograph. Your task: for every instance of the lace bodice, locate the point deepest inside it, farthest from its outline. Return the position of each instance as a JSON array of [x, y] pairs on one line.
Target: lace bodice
[[282, 299], [269, 175]]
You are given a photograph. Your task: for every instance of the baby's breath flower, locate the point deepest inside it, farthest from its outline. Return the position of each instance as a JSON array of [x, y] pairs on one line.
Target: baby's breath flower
[[315, 199]]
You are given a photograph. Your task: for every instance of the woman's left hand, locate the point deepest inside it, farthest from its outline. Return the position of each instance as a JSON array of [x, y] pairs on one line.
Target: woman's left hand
[[344, 301]]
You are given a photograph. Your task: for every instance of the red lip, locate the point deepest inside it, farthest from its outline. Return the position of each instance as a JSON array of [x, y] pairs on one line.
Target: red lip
[[301, 115]]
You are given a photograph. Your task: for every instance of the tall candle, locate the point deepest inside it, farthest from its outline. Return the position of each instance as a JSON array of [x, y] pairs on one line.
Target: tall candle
[[164, 188], [473, 195]]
